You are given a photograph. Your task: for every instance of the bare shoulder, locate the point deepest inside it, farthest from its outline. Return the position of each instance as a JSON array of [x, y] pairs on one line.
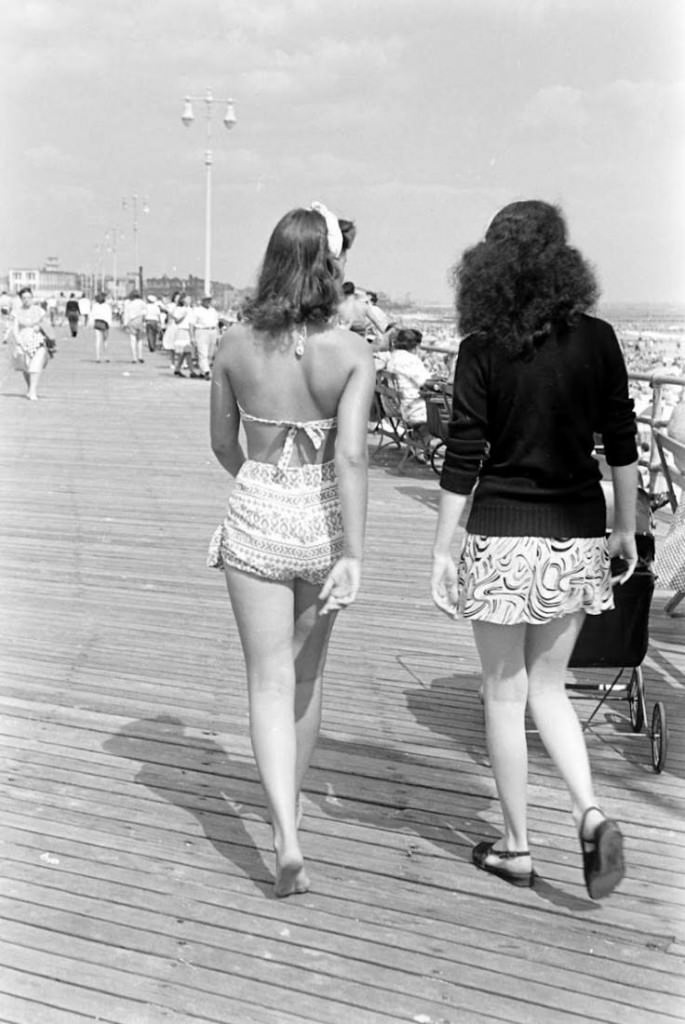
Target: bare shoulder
[[232, 341], [349, 346]]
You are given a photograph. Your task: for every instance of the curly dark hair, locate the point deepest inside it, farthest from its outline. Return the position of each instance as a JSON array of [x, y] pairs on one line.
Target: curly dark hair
[[523, 281], [407, 338], [300, 282]]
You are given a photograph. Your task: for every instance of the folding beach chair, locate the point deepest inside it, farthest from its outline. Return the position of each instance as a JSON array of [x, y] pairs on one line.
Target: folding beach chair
[[672, 459]]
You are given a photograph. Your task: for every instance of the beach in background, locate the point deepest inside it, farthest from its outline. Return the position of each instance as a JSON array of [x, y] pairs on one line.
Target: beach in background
[[652, 335]]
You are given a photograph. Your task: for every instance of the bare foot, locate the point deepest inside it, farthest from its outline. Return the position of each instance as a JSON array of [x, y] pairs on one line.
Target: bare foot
[[291, 877]]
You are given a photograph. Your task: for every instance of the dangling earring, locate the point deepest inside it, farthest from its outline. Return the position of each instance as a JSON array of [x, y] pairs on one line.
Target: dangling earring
[[300, 338]]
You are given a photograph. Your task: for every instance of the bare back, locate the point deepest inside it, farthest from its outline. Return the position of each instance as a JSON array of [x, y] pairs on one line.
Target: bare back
[[264, 377]]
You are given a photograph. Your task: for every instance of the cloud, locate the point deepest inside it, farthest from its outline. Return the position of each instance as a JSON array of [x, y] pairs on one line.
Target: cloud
[[615, 122], [646, 104], [48, 156], [556, 108]]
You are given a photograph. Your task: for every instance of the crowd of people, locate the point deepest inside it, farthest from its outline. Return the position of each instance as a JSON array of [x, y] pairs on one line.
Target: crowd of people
[[188, 331]]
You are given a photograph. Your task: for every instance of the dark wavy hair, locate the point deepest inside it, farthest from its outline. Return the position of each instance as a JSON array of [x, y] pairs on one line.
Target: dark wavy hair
[[523, 281], [407, 338], [299, 282]]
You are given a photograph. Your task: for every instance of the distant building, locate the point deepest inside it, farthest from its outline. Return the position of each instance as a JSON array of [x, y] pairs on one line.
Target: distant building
[[224, 295], [44, 281]]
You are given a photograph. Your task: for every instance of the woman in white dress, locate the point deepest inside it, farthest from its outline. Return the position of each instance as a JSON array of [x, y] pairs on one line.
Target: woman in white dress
[[32, 341]]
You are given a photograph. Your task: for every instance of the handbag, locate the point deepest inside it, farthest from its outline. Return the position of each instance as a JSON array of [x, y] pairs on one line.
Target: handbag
[[49, 342]]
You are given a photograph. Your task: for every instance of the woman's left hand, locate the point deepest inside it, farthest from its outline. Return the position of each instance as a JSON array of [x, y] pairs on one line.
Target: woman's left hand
[[444, 584], [341, 586]]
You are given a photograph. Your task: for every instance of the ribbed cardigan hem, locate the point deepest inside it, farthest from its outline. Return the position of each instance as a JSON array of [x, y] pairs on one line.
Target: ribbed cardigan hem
[[538, 519]]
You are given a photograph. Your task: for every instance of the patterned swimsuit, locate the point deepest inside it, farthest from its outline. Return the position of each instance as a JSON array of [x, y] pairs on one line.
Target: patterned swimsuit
[[283, 522]]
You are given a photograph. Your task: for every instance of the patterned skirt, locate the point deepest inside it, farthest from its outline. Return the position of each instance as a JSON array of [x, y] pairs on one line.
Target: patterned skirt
[[281, 524], [508, 580]]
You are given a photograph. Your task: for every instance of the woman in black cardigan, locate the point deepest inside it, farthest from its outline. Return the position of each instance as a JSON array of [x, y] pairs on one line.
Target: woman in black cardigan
[[536, 379]]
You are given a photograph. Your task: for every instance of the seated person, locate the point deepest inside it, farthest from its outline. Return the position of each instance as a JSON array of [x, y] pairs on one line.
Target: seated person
[[411, 373]]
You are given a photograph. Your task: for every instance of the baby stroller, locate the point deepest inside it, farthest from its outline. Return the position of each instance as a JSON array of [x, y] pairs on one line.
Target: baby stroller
[[618, 639], [437, 394]]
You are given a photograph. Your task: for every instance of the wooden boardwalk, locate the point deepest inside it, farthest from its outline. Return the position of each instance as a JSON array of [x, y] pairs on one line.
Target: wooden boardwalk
[[136, 869]]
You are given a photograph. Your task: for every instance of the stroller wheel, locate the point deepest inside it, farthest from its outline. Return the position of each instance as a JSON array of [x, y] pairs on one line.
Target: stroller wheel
[[636, 700], [659, 736]]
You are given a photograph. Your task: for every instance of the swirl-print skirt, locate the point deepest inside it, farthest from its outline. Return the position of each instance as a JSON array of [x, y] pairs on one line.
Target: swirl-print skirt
[[508, 580]]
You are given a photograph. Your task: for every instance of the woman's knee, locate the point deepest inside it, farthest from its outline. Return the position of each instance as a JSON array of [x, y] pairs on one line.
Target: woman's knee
[[271, 680], [510, 689]]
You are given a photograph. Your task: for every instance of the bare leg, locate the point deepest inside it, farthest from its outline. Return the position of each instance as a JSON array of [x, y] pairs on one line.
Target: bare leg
[[278, 625], [34, 377], [505, 686], [310, 646], [27, 379], [547, 652]]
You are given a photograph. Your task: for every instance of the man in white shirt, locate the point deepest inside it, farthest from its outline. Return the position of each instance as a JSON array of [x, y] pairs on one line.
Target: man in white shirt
[[84, 309], [206, 323], [153, 322]]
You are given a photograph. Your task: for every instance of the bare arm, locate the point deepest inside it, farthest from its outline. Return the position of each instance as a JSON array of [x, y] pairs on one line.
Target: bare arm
[[351, 449], [351, 466], [224, 418], [444, 574], [622, 538]]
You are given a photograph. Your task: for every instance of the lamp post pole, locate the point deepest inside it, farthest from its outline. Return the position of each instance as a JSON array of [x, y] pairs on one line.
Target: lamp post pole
[[229, 120], [134, 209], [115, 241], [111, 240]]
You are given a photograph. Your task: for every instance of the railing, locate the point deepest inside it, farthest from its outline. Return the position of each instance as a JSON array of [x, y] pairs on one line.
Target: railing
[[650, 461]]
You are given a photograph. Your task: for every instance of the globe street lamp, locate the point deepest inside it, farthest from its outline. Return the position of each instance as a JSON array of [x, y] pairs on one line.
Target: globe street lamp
[[229, 119]]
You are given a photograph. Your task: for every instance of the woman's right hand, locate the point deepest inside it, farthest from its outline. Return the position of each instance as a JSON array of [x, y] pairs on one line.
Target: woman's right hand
[[341, 585], [444, 588]]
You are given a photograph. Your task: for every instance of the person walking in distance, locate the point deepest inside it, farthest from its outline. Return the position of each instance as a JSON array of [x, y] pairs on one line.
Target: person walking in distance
[[72, 312], [153, 322], [206, 326], [134, 325], [101, 313], [32, 338]]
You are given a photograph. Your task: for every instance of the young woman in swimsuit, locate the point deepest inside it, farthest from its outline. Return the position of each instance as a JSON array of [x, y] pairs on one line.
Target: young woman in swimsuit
[[291, 543]]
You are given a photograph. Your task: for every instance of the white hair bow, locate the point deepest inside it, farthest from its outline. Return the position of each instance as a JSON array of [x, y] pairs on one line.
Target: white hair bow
[[335, 237]]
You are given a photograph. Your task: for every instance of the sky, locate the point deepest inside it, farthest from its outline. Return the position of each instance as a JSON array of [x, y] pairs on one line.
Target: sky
[[417, 119]]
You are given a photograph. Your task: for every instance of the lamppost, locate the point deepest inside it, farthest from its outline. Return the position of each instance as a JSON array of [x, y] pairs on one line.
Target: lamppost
[[112, 239], [229, 120], [133, 200], [98, 265]]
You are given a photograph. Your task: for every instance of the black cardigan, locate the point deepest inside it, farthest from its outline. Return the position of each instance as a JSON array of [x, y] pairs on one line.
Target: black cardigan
[[538, 418]]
